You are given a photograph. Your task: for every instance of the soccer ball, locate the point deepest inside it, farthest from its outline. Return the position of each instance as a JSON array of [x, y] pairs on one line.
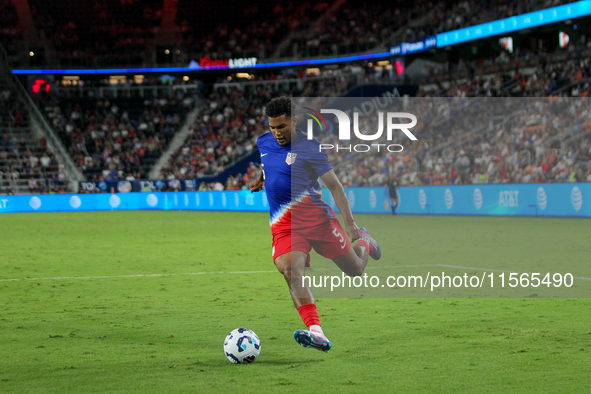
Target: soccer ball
[[242, 346]]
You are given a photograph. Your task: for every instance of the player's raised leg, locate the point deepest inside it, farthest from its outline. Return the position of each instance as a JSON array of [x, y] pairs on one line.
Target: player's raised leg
[[292, 266]]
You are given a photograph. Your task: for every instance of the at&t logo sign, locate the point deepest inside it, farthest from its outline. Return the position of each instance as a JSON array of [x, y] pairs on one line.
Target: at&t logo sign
[[75, 202], [576, 198], [372, 199], [449, 199], [114, 201], [477, 198], [422, 199], [541, 197], [351, 198], [152, 200], [510, 198], [35, 203]]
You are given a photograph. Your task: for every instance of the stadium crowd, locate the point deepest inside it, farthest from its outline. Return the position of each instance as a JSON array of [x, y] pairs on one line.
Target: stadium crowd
[[521, 143], [117, 138], [10, 32], [528, 75], [109, 144], [259, 31], [125, 28], [26, 163], [359, 26], [233, 182], [439, 17], [226, 128], [516, 153]]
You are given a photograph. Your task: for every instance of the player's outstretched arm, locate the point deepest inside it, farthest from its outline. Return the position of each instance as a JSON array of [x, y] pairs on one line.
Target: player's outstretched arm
[[258, 184], [340, 198]]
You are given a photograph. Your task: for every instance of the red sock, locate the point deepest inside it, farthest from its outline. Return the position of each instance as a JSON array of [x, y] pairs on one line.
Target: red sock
[[309, 315], [363, 243]]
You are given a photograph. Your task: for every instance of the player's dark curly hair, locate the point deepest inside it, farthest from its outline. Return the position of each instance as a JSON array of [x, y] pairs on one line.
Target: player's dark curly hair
[[279, 106]]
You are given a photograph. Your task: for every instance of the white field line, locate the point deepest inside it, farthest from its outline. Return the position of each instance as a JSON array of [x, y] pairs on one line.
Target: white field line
[[134, 276], [178, 274], [250, 272]]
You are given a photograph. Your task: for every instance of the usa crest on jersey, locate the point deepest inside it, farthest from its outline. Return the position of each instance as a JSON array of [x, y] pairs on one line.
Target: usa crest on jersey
[[291, 158]]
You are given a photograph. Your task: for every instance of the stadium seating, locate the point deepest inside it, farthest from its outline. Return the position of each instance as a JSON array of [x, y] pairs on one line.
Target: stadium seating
[[541, 75], [10, 32], [27, 165], [121, 136], [117, 138], [126, 30], [230, 119], [533, 143], [226, 128]]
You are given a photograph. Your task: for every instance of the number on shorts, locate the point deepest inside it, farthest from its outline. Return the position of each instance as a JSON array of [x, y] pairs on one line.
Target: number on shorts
[[340, 237]]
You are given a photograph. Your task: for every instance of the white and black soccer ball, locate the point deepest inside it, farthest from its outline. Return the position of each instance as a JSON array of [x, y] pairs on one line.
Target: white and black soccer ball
[[242, 346]]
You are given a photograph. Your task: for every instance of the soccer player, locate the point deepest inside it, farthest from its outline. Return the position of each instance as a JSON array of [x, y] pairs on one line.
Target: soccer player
[[291, 165]]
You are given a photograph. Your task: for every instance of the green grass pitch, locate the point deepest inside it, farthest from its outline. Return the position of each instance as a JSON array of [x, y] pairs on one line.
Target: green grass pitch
[[99, 319]]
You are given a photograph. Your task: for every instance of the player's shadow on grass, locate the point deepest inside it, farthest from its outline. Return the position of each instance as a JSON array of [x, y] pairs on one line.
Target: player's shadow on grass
[[267, 362], [287, 362]]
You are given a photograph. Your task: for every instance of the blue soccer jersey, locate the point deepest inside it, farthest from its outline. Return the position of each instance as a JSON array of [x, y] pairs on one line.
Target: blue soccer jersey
[[291, 175]]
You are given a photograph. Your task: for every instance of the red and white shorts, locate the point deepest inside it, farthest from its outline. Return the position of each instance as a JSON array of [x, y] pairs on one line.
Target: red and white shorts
[[328, 239]]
